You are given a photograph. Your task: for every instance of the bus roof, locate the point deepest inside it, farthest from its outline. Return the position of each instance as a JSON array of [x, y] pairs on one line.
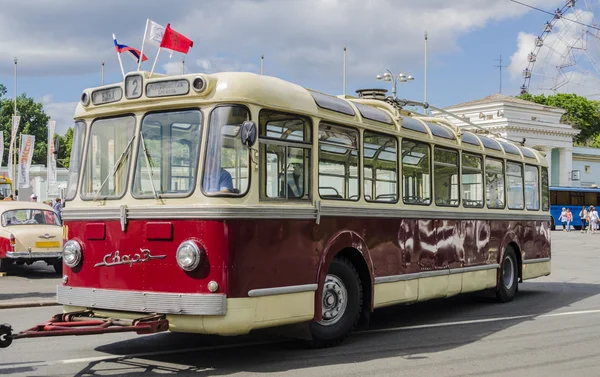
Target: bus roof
[[140, 91]]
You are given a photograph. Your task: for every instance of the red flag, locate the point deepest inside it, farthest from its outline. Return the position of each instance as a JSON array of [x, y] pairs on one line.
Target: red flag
[[172, 40]]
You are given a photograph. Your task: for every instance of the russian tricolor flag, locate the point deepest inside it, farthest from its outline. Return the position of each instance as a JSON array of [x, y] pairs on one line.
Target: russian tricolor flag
[[135, 54]]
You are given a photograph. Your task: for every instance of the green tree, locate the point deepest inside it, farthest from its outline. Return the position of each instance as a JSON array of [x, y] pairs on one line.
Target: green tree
[[64, 153], [581, 113]]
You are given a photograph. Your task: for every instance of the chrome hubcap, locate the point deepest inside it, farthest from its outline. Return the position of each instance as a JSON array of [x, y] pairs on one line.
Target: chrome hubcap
[[508, 272], [335, 299]]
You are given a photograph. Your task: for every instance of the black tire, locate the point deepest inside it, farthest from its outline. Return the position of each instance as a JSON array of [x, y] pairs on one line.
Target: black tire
[[552, 226], [58, 267], [336, 325], [508, 279], [4, 263]]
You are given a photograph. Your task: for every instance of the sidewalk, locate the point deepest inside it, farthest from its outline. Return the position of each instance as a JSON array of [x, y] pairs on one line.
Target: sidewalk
[[28, 286]]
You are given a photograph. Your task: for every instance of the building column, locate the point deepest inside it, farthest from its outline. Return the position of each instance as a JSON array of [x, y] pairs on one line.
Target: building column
[[566, 166]]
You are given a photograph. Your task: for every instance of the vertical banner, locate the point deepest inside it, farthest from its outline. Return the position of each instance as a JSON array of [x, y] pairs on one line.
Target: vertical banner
[[15, 126], [27, 142], [51, 166], [1, 148]]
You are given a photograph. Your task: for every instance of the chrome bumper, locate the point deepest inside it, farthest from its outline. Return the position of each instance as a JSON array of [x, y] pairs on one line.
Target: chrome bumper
[[33, 255], [143, 302]]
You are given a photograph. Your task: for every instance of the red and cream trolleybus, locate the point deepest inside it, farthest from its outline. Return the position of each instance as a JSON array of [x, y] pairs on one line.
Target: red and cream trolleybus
[[222, 203]]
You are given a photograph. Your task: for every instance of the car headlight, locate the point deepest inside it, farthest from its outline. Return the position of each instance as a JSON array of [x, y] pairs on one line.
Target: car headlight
[[188, 255], [72, 253]]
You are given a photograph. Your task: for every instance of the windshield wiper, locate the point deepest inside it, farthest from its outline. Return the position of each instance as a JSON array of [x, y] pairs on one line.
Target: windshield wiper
[[115, 167], [150, 171]]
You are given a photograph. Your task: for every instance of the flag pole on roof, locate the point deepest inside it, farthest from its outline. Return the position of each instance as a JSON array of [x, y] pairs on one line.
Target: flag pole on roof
[[118, 55], [153, 34], [173, 41]]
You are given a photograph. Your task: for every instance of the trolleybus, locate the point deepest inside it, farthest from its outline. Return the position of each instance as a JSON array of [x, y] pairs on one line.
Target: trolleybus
[[573, 198], [222, 203]]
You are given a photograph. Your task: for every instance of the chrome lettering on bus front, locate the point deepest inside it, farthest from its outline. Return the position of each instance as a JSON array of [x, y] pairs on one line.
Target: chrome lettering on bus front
[[116, 259]]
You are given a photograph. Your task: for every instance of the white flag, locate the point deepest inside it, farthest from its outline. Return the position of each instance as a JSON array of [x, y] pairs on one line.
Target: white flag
[[155, 33], [27, 144], [51, 166], [15, 126]]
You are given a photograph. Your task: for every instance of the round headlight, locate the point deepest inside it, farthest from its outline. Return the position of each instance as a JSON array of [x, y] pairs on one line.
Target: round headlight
[[72, 253], [199, 84], [85, 99], [188, 255]]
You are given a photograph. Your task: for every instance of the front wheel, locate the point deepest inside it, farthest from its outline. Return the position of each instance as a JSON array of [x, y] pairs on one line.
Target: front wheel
[[509, 278], [4, 263], [342, 301]]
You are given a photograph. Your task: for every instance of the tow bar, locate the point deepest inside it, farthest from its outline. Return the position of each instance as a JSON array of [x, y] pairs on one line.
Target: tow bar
[[85, 323]]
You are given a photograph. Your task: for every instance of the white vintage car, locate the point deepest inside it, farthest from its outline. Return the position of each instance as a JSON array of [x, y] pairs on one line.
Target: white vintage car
[[30, 232]]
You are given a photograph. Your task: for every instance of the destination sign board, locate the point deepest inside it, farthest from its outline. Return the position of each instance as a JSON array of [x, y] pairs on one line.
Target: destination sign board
[[108, 95], [168, 88]]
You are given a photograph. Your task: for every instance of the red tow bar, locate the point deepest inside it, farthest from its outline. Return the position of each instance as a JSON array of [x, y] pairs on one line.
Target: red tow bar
[[85, 323]]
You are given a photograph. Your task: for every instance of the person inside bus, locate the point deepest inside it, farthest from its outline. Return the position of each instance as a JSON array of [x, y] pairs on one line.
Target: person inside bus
[[217, 179]]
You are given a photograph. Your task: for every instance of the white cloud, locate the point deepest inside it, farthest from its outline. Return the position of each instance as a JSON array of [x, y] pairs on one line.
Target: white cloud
[[61, 112], [302, 39]]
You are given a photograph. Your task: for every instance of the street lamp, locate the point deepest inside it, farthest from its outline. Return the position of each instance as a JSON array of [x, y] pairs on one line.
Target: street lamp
[[400, 77]]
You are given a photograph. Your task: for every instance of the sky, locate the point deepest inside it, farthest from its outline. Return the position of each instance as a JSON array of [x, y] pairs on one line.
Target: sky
[[60, 45]]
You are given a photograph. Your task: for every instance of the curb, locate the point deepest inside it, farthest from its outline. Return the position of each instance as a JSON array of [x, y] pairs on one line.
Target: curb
[[28, 304]]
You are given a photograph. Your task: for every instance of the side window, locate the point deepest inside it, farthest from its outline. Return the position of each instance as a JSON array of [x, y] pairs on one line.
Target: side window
[[445, 177], [532, 188], [338, 162], [380, 167], [416, 175], [545, 192], [226, 165], [285, 144], [494, 182], [472, 180], [514, 174]]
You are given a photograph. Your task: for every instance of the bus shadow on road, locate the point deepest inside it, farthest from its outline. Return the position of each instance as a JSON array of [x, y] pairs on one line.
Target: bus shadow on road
[[411, 332]]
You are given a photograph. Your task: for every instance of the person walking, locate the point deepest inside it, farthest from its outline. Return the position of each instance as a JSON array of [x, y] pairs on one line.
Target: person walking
[[593, 219], [583, 215], [569, 219], [563, 219]]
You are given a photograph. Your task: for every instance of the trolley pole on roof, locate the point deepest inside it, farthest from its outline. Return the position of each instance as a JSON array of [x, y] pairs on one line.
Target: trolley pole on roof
[[102, 72], [262, 64], [425, 73], [344, 70]]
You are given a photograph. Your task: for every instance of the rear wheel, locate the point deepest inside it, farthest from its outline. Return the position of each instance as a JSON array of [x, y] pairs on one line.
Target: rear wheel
[[342, 301], [509, 278], [4, 263]]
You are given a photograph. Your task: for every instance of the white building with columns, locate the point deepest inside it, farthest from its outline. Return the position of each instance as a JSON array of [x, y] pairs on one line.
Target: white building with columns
[[517, 119]]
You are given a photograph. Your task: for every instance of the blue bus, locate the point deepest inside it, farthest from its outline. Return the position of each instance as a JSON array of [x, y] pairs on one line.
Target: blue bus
[[573, 198]]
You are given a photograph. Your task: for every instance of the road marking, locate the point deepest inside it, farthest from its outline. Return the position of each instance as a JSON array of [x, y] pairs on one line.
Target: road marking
[[262, 343], [476, 321]]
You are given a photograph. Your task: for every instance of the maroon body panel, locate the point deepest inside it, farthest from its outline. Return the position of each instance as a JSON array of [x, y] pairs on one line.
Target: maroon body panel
[[253, 254]]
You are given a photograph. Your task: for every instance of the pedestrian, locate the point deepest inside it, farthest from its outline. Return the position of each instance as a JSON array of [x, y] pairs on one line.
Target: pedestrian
[[10, 197], [583, 215], [33, 198], [569, 219], [57, 207], [563, 219], [593, 219]]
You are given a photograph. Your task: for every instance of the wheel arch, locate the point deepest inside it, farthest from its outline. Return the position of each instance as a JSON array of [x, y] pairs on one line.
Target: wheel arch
[[352, 247]]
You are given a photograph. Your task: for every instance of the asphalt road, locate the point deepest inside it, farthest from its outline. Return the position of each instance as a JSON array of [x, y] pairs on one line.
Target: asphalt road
[[551, 329]]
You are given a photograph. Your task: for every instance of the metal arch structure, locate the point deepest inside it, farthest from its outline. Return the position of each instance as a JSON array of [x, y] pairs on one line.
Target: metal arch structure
[[569, 52]]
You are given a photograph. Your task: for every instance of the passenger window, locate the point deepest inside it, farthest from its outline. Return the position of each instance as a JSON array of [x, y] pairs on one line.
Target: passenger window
[[494, 182], [380, 167], [532, 188], [445, 177], [472, 180], [514, 173], [285, 155], [545, 192], [226, 164], [416, 175], [338, 162]]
